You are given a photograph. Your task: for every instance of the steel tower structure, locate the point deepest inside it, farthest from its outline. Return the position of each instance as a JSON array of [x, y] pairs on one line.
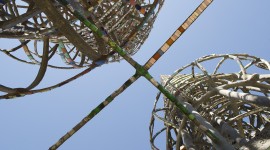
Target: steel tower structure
[[229, 98], [212, 110]]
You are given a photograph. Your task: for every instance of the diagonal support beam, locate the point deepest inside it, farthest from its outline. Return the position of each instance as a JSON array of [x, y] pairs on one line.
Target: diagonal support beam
[[141, 71]]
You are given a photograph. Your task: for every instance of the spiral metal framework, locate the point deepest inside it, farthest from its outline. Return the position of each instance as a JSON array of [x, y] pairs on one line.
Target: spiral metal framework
[[125, 21], [234, 102]]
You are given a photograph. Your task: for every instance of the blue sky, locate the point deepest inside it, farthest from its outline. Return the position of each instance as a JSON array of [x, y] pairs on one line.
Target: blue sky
[[38, 121]]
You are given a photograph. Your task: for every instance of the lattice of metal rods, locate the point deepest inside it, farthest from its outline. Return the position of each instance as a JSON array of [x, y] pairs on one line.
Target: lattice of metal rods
[[235, 102]]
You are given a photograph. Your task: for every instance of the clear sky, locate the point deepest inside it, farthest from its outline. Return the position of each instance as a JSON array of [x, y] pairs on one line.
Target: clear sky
[[36, 122]]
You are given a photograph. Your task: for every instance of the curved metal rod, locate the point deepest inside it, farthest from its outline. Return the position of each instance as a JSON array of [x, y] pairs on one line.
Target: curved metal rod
[[6, 89], [65, 55], [19, 46], [28, 52], [40, 75], [22, 93], [43, 65], [14, 21], [32, 63], [53, 50]]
